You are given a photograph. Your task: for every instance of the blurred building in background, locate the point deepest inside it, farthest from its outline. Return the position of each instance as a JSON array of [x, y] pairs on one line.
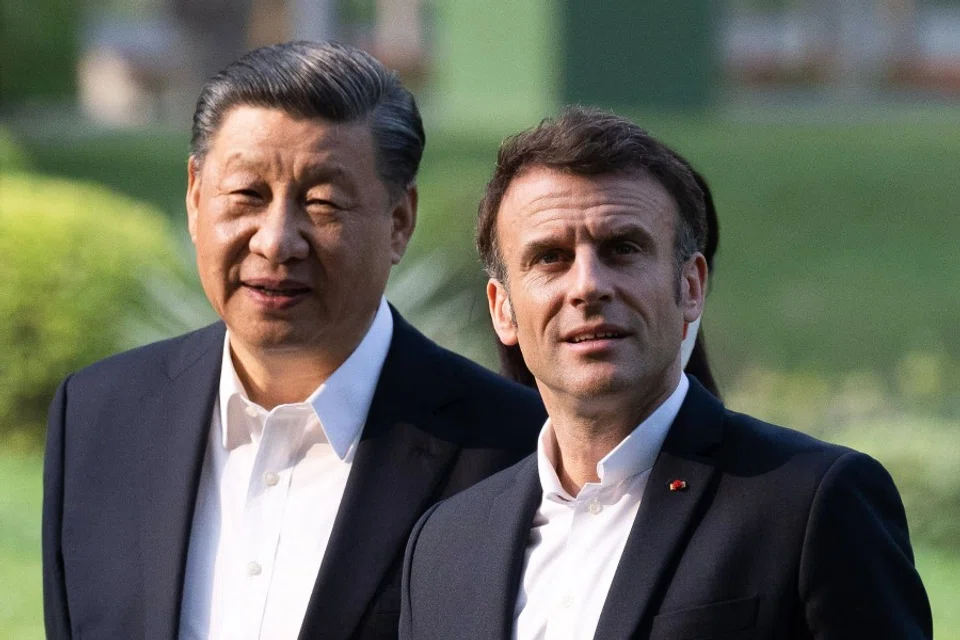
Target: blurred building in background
[[844, 45], [500, 62]]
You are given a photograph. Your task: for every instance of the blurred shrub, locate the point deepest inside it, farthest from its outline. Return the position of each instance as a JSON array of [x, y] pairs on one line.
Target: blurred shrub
[[921, 455], [38, 49], [76, 261], [12, 155], [445, 300], [860, 409]]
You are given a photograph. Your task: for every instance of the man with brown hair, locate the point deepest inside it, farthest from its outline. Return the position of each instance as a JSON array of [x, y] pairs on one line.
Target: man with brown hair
[[649, 510]]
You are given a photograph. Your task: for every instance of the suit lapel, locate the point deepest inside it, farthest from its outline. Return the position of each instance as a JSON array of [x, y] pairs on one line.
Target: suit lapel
[[403, 454], [175, 423], [666, 518], [498, 580]]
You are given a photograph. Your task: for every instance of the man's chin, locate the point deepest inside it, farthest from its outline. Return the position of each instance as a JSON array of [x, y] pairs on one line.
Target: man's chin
[[598, 381], [274, 337]]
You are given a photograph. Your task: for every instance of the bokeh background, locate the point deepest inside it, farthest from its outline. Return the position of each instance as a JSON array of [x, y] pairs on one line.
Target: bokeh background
[[829, 131]]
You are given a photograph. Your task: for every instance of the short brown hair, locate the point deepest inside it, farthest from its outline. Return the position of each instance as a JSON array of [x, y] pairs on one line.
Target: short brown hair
[[591, 142]]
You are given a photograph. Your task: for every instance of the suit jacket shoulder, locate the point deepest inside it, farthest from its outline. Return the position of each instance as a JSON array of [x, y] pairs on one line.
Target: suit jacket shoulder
[[167, 358], [125, 451], [776, 534], [470, 404], [125, 444]]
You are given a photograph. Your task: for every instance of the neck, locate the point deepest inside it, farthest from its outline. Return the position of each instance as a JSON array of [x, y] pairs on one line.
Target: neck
[[272, 379], [587, 429]]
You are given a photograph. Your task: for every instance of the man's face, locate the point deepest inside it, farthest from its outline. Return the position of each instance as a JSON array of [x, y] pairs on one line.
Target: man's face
[[295, 232], [591, 292]]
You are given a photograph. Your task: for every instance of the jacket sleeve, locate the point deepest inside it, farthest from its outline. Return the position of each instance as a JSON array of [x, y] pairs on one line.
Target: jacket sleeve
[[857, 575], [407, 629], [55, 612]]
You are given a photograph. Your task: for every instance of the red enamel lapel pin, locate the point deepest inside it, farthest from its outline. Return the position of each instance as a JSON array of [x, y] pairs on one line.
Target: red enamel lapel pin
[[678, 485]]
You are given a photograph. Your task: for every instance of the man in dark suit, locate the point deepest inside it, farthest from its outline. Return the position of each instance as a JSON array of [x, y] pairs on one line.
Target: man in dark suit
[[258, 478], [648, 510]]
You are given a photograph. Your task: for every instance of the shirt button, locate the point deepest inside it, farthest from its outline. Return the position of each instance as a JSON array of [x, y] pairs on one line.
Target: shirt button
[[254, 568], [595, 508], [566, 601], [251, 411], [270, 478]]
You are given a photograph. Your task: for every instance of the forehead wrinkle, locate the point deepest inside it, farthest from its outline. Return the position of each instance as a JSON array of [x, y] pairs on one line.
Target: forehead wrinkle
[[548, 206], [589, 193], [317, 167], [243, 159], [599, 228]]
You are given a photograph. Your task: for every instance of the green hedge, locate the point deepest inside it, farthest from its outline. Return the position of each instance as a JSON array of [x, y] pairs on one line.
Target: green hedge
[[12, 155], [77, 265], [38, 50], [921, 455]]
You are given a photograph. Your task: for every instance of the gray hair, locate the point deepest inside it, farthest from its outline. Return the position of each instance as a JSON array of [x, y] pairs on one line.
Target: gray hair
[[323, 80]]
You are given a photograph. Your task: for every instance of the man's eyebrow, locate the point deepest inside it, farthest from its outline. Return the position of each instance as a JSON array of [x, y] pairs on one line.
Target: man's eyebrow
[[326, 172], [313, 172], [241, 161], [629, 230], [538, 245]]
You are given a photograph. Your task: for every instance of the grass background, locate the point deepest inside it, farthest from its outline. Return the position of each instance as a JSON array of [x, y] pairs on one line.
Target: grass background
[[838, 240], [834, 307]]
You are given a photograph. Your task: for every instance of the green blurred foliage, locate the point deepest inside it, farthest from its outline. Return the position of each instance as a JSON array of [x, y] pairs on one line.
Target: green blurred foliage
[[858, 410], [921, 456], [148, 166], [75, 262], [940, 570], [836, 238], [21, 604], [38, 49], [12, 155]]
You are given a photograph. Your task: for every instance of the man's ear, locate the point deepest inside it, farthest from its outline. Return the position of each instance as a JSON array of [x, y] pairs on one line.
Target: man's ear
[[693, 283], [193, 196], [404, 217], [501, 313]]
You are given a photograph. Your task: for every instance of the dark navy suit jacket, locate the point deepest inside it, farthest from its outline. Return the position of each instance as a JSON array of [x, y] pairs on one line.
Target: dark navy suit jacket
[[777, 535], [124, 451]]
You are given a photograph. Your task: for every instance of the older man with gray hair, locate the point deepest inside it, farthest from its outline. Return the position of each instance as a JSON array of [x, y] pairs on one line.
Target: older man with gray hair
[[258, 478]]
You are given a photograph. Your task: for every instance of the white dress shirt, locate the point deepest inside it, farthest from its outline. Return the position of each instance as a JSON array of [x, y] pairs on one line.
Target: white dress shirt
[[271, 485], [576, 542]]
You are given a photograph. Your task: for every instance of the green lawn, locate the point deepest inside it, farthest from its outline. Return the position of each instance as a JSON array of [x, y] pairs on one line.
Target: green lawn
[[941, 576], [21, 606], [838, 248], [21, 609]]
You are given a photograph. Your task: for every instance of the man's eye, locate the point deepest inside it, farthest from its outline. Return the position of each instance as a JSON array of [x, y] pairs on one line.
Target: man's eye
[[322, 209], [624, 248], [549, 257], [247, 194]]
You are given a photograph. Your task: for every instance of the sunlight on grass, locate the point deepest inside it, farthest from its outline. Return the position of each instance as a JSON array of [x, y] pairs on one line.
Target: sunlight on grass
[[940, 571], [21, 607]]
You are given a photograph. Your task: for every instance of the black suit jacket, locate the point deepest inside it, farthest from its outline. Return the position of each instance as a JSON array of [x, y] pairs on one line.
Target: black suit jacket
[[124, 452], [777, 535]]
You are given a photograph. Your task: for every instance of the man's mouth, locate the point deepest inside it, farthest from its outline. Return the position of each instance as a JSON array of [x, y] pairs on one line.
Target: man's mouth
[[286, 292], [596, 333], [601, 335], [277, 293]]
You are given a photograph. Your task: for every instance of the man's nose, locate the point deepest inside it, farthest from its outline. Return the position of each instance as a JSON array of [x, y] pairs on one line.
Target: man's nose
[[591, 279], [280, 234]]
